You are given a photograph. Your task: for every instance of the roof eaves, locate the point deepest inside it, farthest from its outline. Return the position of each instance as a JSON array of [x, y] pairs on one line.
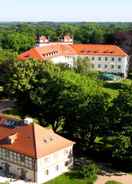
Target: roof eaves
[[34, 141]]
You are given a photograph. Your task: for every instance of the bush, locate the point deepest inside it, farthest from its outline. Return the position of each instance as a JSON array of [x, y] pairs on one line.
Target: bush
[[89, 171], [113, 182]]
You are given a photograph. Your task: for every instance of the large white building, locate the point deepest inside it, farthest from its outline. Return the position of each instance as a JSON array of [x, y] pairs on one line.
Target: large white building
[[105, 58], [31, 152]]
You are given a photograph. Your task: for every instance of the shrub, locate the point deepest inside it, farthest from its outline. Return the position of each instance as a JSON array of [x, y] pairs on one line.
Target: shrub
[[89, 171], [113, 182]]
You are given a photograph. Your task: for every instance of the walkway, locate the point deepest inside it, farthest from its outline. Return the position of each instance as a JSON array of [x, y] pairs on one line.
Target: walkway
[[124, 179]]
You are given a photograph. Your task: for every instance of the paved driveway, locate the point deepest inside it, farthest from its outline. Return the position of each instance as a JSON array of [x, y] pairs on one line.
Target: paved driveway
[[124, 179]]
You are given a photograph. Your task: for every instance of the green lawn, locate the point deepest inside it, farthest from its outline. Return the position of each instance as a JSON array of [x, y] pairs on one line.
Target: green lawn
[[67, 179]]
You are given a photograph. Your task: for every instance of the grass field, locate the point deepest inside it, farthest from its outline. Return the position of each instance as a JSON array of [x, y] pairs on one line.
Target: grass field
[[67, 179]]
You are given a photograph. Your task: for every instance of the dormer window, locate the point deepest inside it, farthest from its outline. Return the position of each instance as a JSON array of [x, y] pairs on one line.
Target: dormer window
[[45, 141], [13, 138], [27, 56], [51, 139]]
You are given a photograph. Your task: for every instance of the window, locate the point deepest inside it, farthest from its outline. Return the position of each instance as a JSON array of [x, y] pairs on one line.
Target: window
[[119, 66], [57, 168], [7, 154], [106, 58], [105, 66], [68, 163], [66, 151], [22, 158], [119, 59], [99, 58], [99, 65], [46, 172], [112, 59], [112, 66], [93, 58], [28, 162]]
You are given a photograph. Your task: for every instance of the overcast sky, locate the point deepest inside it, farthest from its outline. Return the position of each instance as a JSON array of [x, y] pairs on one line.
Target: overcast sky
[[66, 10]]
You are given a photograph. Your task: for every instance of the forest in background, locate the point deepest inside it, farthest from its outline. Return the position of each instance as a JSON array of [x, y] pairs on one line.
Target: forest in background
[[21, 36]]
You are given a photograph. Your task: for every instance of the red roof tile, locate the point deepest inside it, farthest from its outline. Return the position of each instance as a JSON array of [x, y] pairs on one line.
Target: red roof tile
[[98, 49], [33, 140], [59, 49]]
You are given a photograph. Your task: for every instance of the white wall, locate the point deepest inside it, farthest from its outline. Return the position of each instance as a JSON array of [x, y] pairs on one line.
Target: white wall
[[51, 162], [16, 169], [63, 60], [123, 63]]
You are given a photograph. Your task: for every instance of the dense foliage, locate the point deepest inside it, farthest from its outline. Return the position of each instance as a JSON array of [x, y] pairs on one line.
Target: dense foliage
[[21, 36], [89, 171], [62, 98]]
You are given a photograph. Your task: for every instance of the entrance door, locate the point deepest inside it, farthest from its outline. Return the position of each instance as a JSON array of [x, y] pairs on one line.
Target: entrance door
[[23, 174], [6, 169]]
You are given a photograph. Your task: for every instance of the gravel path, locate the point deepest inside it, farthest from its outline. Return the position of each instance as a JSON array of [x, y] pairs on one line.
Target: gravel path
[[124, 179]]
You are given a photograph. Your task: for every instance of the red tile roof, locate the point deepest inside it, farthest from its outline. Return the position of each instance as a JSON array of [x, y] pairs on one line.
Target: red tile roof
[[59, 49], [33, 140], [98, 49]]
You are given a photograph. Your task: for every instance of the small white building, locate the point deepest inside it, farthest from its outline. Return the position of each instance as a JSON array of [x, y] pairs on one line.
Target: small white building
[[104, 58], [33, 153]]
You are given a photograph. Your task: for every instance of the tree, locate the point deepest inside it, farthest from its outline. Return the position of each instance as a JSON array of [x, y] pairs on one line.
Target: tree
[[90, 33], [64, 29], [16, 78], [66, 100], [7, 55], [120, 117], [120, 112], [48, 31], [122, 148], [89, 171], [18, 42], [82, 65]]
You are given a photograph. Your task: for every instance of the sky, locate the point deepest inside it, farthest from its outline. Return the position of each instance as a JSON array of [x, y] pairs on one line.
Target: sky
[[66, 10]]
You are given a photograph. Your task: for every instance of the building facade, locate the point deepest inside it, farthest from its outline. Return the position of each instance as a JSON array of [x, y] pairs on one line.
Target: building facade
[[104, 58], [33, 153]]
